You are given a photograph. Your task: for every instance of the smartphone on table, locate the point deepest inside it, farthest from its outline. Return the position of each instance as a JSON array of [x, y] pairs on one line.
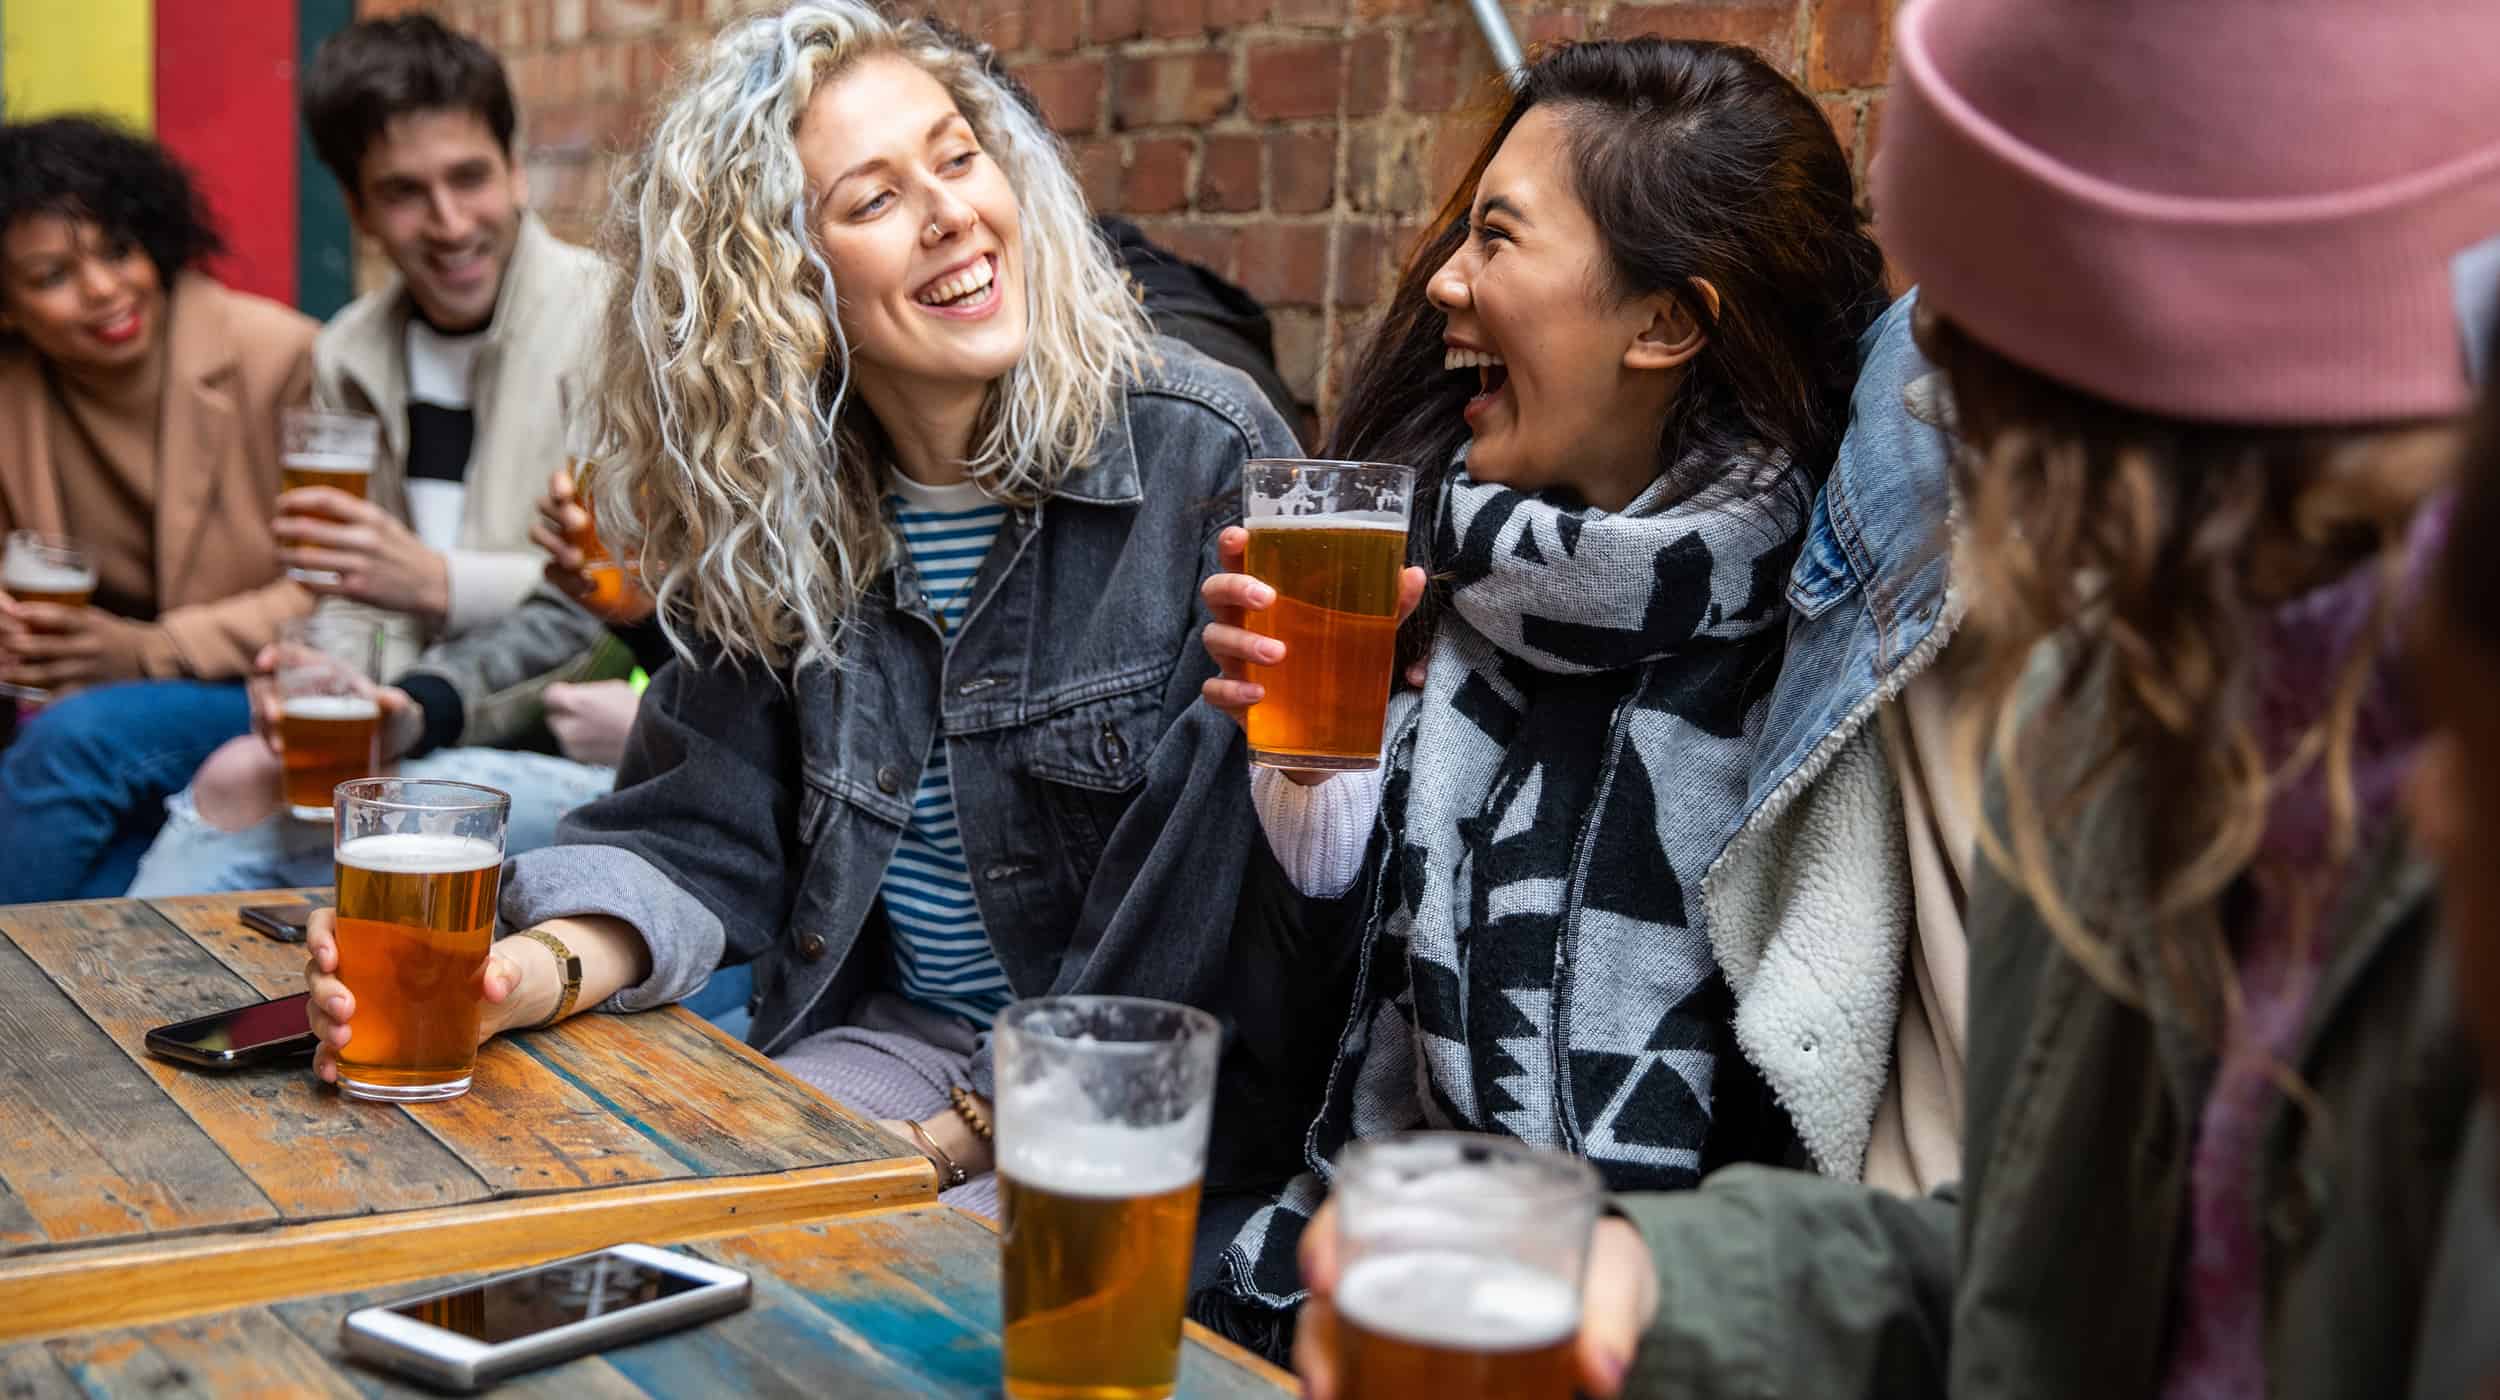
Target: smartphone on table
[[471, 1336], [264, 1033], [287, 923]]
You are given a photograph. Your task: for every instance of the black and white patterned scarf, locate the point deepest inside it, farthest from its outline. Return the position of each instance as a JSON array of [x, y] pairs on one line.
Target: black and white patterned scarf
[[1535, 963]]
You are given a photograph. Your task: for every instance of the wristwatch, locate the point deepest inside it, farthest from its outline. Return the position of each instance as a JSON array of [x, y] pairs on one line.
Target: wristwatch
[[566, 962]]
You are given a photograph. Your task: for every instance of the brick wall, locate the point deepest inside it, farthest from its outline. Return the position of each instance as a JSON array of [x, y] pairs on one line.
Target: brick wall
[[1294, 145]]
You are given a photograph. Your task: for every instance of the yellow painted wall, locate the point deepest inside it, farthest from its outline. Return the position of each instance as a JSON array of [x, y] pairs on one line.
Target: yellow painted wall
[[81, 56]]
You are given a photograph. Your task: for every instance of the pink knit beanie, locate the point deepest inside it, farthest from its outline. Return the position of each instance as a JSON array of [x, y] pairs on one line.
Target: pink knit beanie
[[2251, 211]]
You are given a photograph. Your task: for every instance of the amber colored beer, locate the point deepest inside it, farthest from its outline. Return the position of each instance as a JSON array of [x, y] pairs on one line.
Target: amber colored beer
[[416, 913], [1095, 1288], [34, 581], [1449, 1325], [1336, 582], [328, 740], [609, 587], [348, 474]]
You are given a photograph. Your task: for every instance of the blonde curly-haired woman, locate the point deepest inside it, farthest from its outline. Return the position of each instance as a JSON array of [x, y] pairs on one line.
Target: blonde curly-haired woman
[[924, 505]]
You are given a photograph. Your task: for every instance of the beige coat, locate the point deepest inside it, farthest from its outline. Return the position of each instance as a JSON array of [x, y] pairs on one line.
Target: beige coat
[[233, 361]]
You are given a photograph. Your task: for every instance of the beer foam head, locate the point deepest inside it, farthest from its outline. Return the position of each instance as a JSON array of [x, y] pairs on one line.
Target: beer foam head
[[341, 463], [332, 707], [419, 853], [27, 573], [1333, 520], [1462, 1301], [1074, 1158]]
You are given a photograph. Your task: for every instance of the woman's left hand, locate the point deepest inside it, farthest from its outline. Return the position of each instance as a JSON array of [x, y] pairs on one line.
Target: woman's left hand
[[58, 648]]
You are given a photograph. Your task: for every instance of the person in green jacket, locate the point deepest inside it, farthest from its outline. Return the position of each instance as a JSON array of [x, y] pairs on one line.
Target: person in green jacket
[[2205, 321]]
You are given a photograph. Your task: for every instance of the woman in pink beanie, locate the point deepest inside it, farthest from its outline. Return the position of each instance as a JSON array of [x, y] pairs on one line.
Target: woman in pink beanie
[[2204, 280]]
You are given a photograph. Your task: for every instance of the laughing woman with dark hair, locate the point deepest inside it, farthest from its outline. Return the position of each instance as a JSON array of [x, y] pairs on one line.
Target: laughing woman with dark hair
[[139, 407], [1623, 364]]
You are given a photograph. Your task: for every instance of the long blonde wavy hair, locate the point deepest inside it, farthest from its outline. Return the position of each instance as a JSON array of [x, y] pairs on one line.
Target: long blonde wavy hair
[[733, 460], [2148, 550]]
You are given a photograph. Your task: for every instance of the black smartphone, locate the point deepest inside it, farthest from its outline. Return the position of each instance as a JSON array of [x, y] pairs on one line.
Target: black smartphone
[[283, 922], [265, 1033]]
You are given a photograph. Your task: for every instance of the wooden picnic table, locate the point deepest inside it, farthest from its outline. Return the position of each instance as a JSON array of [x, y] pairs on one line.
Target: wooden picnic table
[[897, 1302], [133, 1190]]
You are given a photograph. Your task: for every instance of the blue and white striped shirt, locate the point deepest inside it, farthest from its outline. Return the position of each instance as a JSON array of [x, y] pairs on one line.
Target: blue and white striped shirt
[[942, 955]]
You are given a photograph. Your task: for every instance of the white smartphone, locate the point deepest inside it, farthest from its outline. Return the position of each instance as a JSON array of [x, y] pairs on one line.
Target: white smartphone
[[472, 1336]]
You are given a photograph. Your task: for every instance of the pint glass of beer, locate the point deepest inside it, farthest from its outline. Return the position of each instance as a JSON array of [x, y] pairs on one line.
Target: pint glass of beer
[[1330, 538], [419, 866], [1103, 1105], [1460, 1258], [39, 568], [321, 448], [329, 724]]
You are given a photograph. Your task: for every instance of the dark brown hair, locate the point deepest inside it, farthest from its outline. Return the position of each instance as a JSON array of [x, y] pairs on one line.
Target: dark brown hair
[[131, 187], [1695, 160], [2150, 550], [2469, 583], [377, 70]]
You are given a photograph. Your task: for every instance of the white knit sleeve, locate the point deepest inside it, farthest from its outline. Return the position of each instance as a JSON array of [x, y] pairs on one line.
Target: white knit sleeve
[[1319, 833]]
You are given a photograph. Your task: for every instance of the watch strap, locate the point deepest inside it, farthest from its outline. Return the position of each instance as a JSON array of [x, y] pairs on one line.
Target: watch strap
[[568, 963]]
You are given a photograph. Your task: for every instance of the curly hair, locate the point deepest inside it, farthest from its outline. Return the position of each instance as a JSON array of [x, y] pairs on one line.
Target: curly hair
[[730, 449], [2147, 550], [131, 187]]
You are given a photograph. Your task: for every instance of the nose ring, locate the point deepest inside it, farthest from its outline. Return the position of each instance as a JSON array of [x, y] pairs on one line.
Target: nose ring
[[934, 231]]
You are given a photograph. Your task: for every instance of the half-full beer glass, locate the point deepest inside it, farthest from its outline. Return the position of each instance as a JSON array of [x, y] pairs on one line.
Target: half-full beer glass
[[1103, 1105], [318, 447], [419, 866], [1330, 538], [329, 723], [36, 568], [1461, 1257]]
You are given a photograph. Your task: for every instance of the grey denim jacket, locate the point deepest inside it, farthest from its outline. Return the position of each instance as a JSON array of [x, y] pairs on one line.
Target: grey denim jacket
[[1105, 812]]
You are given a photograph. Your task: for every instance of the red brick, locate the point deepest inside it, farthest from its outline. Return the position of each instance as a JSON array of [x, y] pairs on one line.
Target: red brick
[[1302, 171], [1114, 20], [1768, 26], [1366, 11], [651, 63], [1362, 265], [1285, 264], [1842, 113], [1069, 89], [1298, 352], [1228, 174], [1178, 89], [1554, 27], [1446, 67], [628, 16], [1454, 151], [1214, 247], [1313, 12], [603, 69], [1295, 80], [1176, 19], [1158, 176], [1098, 172], [1050, 26], [1852, 44], [1002, 24], [1233, 14], [1371, 75]]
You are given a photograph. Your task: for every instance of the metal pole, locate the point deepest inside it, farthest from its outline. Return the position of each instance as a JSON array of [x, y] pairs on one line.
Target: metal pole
[[1498, 37]]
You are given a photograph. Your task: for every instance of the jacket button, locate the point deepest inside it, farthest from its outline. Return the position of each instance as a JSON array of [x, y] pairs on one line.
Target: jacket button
[[812, 947], [889, 782]]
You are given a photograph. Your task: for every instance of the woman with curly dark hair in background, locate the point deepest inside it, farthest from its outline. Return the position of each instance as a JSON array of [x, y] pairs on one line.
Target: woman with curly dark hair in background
[[139, 405]]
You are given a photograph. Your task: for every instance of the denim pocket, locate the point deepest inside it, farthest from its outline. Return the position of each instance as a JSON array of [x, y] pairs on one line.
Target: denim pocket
[[1822, 576], [1090, 761]]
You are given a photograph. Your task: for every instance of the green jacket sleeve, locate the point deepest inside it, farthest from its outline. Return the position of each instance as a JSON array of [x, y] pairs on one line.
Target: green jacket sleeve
[[1774, 1285]]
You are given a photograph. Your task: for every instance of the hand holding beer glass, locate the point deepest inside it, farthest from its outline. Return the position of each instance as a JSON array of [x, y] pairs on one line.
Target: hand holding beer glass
[[321, 448], [1307, 628], [329, 708], [580, 563], [1456, 1267], [1102, 1114], [43, 570], [420, 866]]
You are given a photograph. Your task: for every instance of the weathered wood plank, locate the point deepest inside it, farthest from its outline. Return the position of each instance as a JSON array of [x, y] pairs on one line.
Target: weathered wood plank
[[779, 1345], [855, 1274], [313, 1153], [90, 1147], [613, 1094], [127, 1284], [28, 1372], [711, 1102], [244, 1353]]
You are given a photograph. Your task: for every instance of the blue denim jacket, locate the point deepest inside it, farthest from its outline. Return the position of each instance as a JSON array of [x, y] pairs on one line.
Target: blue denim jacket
[[1808, 902], [1105, 813]]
